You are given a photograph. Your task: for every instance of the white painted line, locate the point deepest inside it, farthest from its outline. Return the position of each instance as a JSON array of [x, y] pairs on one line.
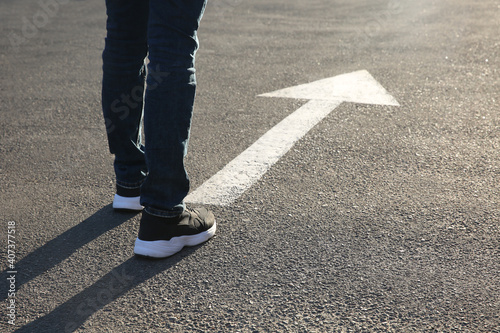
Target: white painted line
[[242, 172], [355, 87], [235, 178]]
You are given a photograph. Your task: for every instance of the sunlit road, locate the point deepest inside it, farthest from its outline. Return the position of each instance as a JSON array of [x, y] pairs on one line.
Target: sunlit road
[[382, 215]]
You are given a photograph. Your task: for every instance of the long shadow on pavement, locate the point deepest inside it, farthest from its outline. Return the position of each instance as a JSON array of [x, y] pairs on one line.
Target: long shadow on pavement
[[70, 315], [64, 245]]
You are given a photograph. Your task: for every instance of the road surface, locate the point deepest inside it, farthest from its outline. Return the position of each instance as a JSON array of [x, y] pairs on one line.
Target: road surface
[[379, 218]]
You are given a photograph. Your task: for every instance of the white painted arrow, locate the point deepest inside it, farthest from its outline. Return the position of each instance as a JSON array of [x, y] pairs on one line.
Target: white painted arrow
[[324, 95]]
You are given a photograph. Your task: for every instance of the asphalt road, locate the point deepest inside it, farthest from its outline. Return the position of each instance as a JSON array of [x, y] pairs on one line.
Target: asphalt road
[[380, 219]]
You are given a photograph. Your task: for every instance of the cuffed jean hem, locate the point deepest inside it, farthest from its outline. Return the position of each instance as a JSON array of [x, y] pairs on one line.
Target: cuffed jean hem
[[129, 186], [176, 211]]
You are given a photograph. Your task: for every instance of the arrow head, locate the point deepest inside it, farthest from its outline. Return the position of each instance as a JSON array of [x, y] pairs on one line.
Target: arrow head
[[356, 87]]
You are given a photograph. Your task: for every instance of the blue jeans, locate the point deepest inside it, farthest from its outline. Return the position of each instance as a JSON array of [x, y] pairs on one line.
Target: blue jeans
[[165, 32]]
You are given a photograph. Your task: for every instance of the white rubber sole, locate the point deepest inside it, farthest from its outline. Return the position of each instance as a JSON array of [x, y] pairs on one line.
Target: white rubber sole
[[132, 203], [163, 248]]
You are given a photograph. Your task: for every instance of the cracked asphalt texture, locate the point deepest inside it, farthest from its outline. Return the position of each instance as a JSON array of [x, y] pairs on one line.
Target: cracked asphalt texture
[[381, 219]]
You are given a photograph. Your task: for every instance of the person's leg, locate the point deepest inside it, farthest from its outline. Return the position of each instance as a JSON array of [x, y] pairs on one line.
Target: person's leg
[[122, 94], [169, 100], [166, 225]]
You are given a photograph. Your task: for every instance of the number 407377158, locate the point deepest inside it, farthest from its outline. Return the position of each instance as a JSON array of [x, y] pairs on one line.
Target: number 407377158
[[11, 244]]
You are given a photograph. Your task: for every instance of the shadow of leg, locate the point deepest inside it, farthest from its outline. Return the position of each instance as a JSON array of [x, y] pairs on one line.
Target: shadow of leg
[[72, 314], [64, 245]]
